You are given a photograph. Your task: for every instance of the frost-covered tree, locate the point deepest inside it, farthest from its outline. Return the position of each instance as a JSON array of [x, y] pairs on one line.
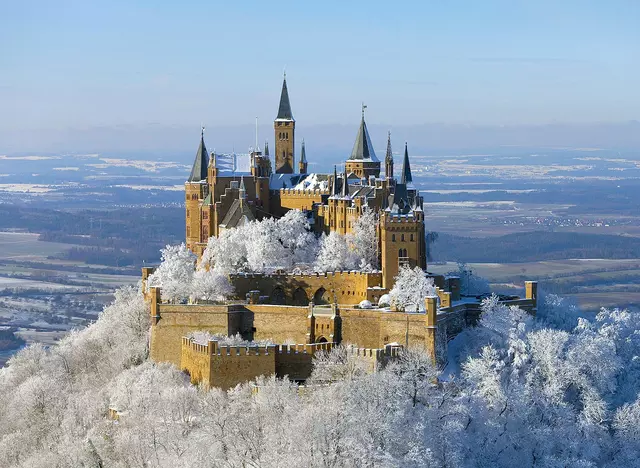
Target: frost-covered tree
[[210, 285], [335, 254], [411, 289], [263, 246], [365, 240], [175, 273]]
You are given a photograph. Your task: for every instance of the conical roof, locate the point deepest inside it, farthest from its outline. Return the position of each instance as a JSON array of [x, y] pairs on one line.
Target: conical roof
[[284, 111], [389, 156], [406, 168], [363, 149], [303, 153], [199, 169], [345, 183], [335, 190]]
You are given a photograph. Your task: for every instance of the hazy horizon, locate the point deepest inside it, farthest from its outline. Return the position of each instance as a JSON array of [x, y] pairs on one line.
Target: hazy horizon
[[73, 65]]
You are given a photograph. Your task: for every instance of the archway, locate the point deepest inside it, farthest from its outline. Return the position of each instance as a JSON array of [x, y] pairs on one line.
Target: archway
[[321, 339], [278, 296], [321, 296], [300, 297]]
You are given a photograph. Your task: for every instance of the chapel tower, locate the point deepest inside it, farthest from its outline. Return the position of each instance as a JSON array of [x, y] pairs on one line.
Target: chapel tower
[[284, 134]]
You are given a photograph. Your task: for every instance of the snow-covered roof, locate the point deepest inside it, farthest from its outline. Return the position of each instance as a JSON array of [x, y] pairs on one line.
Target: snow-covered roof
[[313, 182], [299, 181]]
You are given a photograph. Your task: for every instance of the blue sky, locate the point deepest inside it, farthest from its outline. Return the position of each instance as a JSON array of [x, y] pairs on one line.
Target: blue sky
[[75, 64]]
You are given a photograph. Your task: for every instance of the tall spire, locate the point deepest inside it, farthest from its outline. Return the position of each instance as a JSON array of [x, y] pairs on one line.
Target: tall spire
[[199, 169], [335, 181], [388, 159], [406, 168], [303, 153], [266, 148], [345, 183], [284, 111]]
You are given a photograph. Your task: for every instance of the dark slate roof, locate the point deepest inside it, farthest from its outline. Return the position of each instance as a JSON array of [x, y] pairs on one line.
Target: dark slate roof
[[363, 149], [284, 111], [303, 153], [399, 200], [389, 155], [238, 214], [345, 183], [336, 188], [406, 168], [199, 170]]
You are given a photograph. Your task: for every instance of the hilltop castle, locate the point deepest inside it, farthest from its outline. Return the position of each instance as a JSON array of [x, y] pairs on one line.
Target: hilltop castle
[[318, 310], [226, 190]]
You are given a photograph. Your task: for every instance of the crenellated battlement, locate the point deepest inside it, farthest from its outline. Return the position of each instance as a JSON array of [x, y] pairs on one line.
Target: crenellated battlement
[[401, 219], [213, 348], [303, 192], [307, 275]]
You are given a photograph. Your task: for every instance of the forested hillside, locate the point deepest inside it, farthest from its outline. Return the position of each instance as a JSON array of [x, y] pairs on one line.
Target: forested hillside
[[551, 391]]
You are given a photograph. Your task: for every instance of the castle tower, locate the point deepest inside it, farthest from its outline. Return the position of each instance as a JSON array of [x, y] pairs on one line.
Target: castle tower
[[402, 231], [196, 189], [401, 243], [302, 165], [388, 159], [363, 161], [284, 128]]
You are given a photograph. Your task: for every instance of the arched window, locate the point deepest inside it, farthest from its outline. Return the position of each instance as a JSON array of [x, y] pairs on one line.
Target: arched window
[[393, 237], [402, 238], [411, 237]]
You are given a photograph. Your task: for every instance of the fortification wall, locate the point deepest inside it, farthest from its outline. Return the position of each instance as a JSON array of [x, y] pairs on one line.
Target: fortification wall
[[291, 199], [224, 367], [343, 287], [279, 323], [377, 328], [177, 320]]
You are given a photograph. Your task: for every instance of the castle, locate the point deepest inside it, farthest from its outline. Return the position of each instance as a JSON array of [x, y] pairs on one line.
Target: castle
[[226, 190], [317, 310]]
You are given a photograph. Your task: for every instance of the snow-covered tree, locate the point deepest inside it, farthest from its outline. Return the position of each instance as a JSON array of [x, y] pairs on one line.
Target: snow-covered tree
[[365, 240], [411, 289], [210, 285], [335, 254], [175, 273]]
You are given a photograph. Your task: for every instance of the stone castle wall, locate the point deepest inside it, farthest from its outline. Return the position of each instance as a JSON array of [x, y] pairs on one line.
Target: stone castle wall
[[214, 365], [343, 287]]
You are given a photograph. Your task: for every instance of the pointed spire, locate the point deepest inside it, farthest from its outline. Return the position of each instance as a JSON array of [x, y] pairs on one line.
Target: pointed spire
[[389, 155], [284, 111], [213, 161], [266, 148], [406, 168], [388, 159], [335, 181], [345, 183], [362, 148], [303, 153], [199, 169], [242, 194]]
